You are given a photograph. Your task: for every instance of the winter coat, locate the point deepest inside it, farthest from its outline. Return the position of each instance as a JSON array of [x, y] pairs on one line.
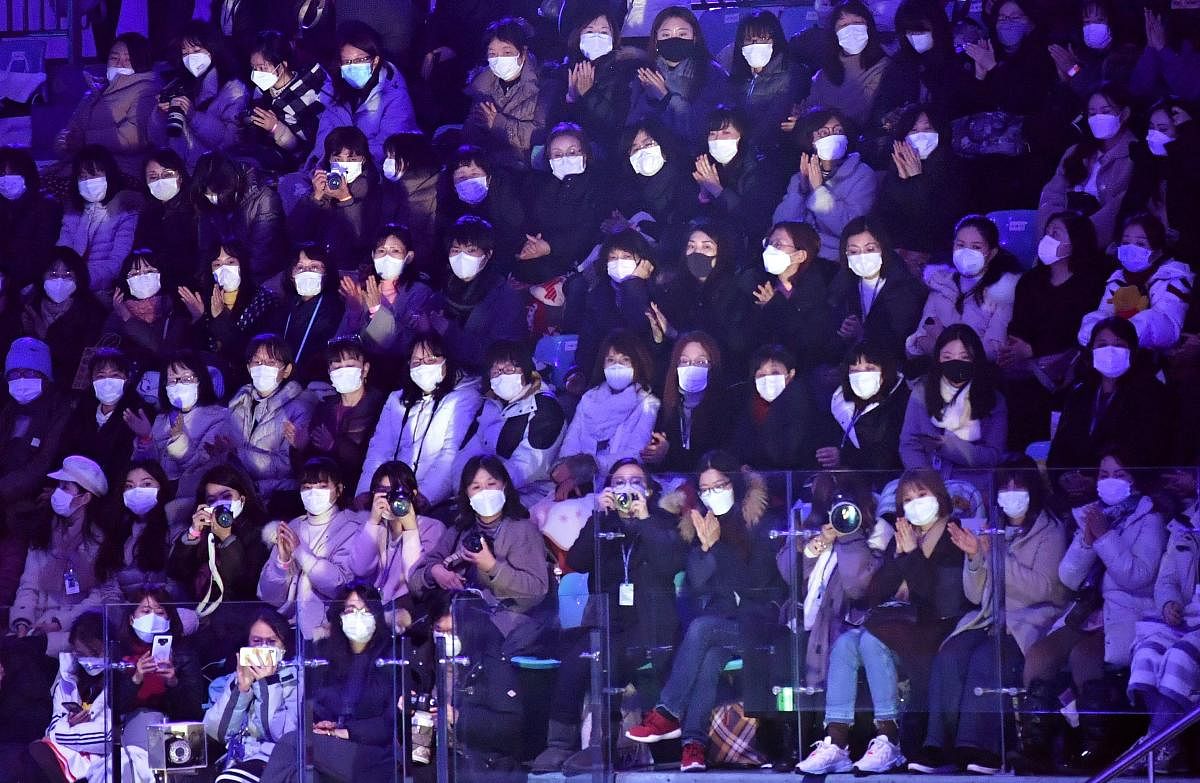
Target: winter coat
[[1167, 71], [350, 429], [1137, 418], [611, 426], [504, 206], [185, 457], [800, 319], [387, 109], [1112, 180], [169, 228], [708, 425], [670, 196], [767, 98], [751, 183], [109, 441], [919, 212], [1130, 553], [386, 330], [213, 123], [254, 311], [148, 342], [779, 435], [1159, 320], [262, 449], [42, 595], [1047, 316], [988, 318], [567, 213], [935, 583], [239, 561], [520, 117], [102, 233], [29, 229], [261, 716], [356, 692], [955, 454], [601, 111], [608, 305], [30, 442], [1179, 569], [875, 444], [425, 435], [694, 89], [480, 312], [893, 313], [848, 194], [347, 228], [308, 325], [396, 558], [855, 96], [256, 221], [413, 201], [117, 118]]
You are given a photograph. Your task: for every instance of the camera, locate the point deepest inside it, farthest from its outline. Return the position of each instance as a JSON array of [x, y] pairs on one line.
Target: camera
[[474, 542], [624, 500], [399, 503], [177, 746], [844, 514], [333, 180], [223, 516], [176, 119]]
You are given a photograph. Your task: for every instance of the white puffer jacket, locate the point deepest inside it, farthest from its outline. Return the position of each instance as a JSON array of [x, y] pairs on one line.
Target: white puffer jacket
[[1159, 325], [988, 318]]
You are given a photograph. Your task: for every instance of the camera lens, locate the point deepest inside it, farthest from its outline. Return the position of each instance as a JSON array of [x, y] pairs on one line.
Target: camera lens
[[845, 517], [179, 751], [334, 180], [624, 500], [175, 121], [223, 516], [398, 502], [473, 542]]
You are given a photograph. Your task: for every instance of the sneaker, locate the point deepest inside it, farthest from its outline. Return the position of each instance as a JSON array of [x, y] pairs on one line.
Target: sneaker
[[882, 755], [693, 758], [931, 762], [979, 762], [655, 727], [826, 758]]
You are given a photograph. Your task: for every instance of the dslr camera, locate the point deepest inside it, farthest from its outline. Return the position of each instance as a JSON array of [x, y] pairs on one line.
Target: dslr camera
[[473, 543], [844, 514], [399, 503], [176, 119], [177, 746]]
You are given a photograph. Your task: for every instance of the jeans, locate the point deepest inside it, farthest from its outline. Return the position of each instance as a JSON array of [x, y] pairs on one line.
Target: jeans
[[691, 692], [854, 649], [957, 717]]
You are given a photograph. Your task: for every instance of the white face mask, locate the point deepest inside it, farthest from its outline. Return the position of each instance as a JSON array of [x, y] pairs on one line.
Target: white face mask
[[228, 277], [1097, 35], [1047, 249], [565, 167], [853, 38], [924, 142], [921, 42], [428, 376], [865, 265], [391, 172], [235, 506], [265, 378], [12, 186], [451, 643], [390, 267], [183, 395], [621, 269], [1134, 258], [62, 502], [718, 501], [359, 627], [1156, 140], [349, 169], [508, 386], [59, 289], [1112, 491], [465, 266], [25, 390], [140, 500], [595, 45], [316, 500], [723, 150], [112, 73], [308, 283], [922, 511], [647, 161], [91, 665], [472, 190], [263, 80], [692, 379], [93, 189], [769, 387], [346, 380], [758, 54], [1013, 502], [776, 261], [832, 147], [197, 63], [866, 383], [147, 625], [618, 376], [488, 502], [968, 261], [1111, 361], [1104, 126], [108, 390], [145, 285], [164, 189], [505, 68]]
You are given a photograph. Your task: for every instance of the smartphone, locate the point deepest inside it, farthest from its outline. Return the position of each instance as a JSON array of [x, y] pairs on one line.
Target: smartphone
[[259, 656], [160, 648], [72, 707]]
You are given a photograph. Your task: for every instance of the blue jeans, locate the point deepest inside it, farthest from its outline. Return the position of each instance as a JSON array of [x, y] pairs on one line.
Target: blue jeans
[[854, 649], [691, 692]]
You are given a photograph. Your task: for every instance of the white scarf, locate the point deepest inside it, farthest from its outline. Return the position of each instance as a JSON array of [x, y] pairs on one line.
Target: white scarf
[[956, 417]]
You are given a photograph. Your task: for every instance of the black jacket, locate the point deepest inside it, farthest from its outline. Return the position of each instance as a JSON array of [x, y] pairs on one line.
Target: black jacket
[[480, 312], [503, 206], [256, 220], [878, 433], [347, 228], [802, 321], [169, 228], [710, 425], [109, 445], [567, 213], [307, 326], [935, 584], [767, 99], [894, 313], [240, 558], [1047, 316], [919, 213], [737, 580], [602, 110], [783, 439], [1136, 419], [753, 183], [29, 228]]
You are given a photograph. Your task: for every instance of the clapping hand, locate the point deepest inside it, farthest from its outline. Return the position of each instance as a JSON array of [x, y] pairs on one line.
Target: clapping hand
[[708, 528], [654, 83]]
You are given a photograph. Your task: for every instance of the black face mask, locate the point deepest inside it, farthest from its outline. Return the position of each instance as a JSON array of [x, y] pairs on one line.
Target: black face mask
[[675, 50], [700, 265], [958, 370]]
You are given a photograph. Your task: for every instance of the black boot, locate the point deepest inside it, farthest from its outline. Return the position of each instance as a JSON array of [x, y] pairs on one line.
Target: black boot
[[1039, 724], [562, 742], [1100, 704]]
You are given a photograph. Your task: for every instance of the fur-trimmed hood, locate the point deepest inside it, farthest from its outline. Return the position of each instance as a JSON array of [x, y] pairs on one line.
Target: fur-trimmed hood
[[940, 279], [685, 499]]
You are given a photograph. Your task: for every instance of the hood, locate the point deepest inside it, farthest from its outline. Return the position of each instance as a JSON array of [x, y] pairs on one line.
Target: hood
[[682, 501]]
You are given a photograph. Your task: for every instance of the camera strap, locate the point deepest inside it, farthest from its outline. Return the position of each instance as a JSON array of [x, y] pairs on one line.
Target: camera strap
[[311, 320], [210, 602]]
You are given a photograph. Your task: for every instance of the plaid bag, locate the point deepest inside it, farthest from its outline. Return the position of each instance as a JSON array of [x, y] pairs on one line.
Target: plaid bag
[[731, 737]]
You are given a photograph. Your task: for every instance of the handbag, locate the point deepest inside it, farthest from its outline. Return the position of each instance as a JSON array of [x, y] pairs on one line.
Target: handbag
[[989, 133], [731, 737]]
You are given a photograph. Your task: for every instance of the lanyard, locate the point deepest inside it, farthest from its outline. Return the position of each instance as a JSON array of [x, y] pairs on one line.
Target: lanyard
[[419, 443], [626, 554], [311, 320]]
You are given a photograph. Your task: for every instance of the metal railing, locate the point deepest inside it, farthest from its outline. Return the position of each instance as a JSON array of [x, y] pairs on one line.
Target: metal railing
[[1145, 749]]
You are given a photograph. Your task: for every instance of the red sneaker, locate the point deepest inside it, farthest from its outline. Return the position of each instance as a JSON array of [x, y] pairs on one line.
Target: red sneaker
[[655, 727], [693, 758]]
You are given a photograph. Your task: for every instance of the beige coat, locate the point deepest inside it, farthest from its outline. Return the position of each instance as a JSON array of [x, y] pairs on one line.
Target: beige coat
[[116, 118]]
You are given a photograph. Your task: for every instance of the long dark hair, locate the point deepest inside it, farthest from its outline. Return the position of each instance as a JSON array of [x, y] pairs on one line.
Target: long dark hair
[[97, 158], [161, 597], [234, 477], [756, 23], [399, 474], [374, 601], [983, 382], [1085, 250], [209, 38], [513, 508], [1023, 471], [865, 224], [410, 393], [671, 396], [733, 524], [1001, 264], [366, 38], [876, 353], [41, 537], [150, 550], [1075, 163], [834, 69]]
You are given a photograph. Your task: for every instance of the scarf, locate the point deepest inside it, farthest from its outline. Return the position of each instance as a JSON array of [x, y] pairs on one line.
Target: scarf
[[956, 415], [609, 411], [145, 310], [845, 414], [51, 311]]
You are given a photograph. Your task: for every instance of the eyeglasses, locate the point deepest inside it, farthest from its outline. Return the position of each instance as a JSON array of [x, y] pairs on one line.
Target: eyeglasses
[[836, 130], [779, 244], [507, 369], [644, 145], [357, 61], [426, 360], [262, 641], [183, 379], [692, 362], [568, 153], [164, 174], [726, 484], [630, 483]]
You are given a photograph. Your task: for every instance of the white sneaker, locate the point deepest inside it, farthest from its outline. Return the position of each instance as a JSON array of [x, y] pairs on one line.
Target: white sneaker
[[881, 756], [826, 758]]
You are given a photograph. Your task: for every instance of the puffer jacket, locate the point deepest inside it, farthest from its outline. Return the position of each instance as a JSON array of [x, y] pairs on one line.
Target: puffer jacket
[[848, 194], [262, 449], [1112, 180], [1160, 320], [1130, 553], [42, 596], [103, 234], [212, 124], [694, 88], [387, 109], [270, 709], [256, 221], [1179, 568], [186, 456], [520, 119], [989, 318], [117, 118]]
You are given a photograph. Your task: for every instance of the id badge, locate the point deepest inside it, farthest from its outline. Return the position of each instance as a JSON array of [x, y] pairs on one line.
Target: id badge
[[70, 582], [625, 594]]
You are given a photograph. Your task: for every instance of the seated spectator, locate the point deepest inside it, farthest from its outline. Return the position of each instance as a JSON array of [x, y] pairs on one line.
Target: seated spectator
[[285, 104], [1117, 386], [774, 430], [956, 420], [977, 292], [101, 217], [850, 79], [1167, 65], [737, 186], [234, 205], [25, 700], [867, 412], [833, 185], [98, 430], [764, 82], [408, 191], [168, 221], [133, 555], [311, 309], [147, 319], [63, 312], [694, 417], [1094, 174], [473, 184], [342, 424], [231, 309], [508, 109], [59, 580], [32, 421], [424, 422], [1150, 289], [383, 310], [597, 77], [314, 557], [658, 179], [615, 418], [29, 219], [346, 218], [1163, 172], [619, 297], [1101, 40], [519, 421], [269, 413], [368, 91], [257, 705]]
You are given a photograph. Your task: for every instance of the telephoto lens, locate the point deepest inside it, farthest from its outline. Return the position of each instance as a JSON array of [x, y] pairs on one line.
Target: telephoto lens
[[473, 542], [845, 515]]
